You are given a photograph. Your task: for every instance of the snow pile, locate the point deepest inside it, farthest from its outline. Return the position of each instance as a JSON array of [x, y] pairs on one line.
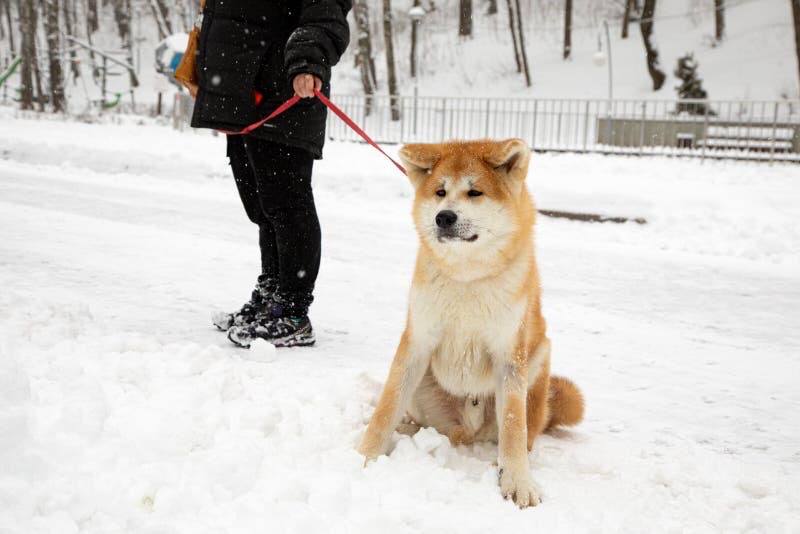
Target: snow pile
[[262, 351], [123, 410]]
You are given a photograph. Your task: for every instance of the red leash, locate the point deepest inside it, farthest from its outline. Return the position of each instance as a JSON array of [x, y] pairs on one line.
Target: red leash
[[331, 106], [280, 109]]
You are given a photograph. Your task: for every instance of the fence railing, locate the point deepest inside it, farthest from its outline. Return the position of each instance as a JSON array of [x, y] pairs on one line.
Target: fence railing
[[755, 130]]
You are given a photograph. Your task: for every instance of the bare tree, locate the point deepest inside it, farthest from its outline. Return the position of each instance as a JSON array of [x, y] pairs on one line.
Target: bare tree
[[626, 18], [122, 14], [796, 12], [69, 25], [719, 19], [391, 72], [27, 23], [492, 9], [414, 37], [11, 44], [51, 19], [364, 59], [523, 54], [39, 97], [513, 29], [465, 18], [646, 25], [92, 19], [567, 28], [161, 14]]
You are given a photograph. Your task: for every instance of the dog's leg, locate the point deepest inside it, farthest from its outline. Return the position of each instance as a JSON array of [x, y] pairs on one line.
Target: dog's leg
[[538, 395], [538, 408], [408, 367], [460, 435], [511, 393]]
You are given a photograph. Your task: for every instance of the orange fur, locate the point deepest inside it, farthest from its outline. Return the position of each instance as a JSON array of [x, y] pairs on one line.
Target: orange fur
[[474, 362], [566, 403]]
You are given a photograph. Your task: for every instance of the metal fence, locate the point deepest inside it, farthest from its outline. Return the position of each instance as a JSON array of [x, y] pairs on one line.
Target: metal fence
[[753, 130]]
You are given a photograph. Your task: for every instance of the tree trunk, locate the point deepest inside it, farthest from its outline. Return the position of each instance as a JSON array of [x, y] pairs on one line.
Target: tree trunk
[[626, 18], [39, 96], [492, 10], [513, 29], [414, 36], [28, 50], [52, 9], [465, 18], [11, 43], [364, 59], [523, 53], [122, 14], [123, 20], [161, 14], [719, 19], [646, 25], [390, 65], [567, 28], [92, 19], [69, 23], [796, 11]]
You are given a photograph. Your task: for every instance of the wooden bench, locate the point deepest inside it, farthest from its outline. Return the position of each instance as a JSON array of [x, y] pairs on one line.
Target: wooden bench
[[756, 138]]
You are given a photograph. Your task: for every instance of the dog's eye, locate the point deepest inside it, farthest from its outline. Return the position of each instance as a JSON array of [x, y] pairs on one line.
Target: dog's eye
[[474, 193], [441, 193]]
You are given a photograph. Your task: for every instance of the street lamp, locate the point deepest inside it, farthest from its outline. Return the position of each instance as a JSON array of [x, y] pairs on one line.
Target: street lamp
[[416, 14], [599, 58]]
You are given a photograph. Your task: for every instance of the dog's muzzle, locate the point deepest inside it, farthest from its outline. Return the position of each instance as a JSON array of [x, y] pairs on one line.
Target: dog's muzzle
[[448, 228]]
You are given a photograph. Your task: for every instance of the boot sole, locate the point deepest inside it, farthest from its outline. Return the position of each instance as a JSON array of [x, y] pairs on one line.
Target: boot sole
[[301, 340]]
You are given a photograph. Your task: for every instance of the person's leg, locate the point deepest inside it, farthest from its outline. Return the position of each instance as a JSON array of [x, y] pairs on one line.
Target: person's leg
[[261, 299], [283, 176], [247, 186]]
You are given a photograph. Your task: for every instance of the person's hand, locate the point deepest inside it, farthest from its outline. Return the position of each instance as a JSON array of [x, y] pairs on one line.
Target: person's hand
[[305, 85]]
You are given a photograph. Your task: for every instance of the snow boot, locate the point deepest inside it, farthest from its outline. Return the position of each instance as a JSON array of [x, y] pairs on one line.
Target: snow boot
[[262, 300], [281, 332]]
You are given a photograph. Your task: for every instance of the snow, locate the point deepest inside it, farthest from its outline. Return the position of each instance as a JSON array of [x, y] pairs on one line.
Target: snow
[[262, 351], [756, 59], [123, 410]]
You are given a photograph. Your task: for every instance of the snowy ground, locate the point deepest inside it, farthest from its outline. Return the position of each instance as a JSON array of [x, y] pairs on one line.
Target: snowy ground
[[122, 410]]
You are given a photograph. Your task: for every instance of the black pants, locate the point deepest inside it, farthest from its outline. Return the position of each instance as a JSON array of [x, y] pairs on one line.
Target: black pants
[[274, 182]]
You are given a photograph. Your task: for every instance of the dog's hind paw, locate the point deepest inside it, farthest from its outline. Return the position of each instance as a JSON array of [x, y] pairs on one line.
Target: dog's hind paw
[[519, 487]]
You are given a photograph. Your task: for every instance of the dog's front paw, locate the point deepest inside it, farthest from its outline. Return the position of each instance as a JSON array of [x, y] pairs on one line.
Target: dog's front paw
[[369, 456], [517, 485], [368, 450]]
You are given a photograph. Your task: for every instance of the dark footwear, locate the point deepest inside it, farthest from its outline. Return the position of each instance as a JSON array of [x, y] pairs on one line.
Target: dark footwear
[[281, 332], [261, 300]]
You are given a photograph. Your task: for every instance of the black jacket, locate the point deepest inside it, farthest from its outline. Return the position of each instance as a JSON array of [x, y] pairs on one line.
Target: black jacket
[[249, 46]]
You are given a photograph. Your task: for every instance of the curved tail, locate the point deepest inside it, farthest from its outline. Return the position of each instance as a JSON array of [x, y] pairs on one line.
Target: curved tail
[[566, 403]]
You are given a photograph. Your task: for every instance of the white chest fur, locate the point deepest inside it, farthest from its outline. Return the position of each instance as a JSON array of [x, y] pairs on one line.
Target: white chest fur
[[470, 327]]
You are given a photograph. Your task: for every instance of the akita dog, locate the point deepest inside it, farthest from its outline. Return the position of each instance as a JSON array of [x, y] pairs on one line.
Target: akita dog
[[474, 360]]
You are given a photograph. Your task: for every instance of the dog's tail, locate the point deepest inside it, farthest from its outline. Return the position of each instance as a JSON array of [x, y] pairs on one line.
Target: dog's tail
[[566, 403]]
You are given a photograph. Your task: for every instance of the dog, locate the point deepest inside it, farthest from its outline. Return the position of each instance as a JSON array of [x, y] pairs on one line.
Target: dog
[[474, 359]]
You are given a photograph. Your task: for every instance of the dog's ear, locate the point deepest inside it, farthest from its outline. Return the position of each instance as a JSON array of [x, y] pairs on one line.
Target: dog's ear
[[510, 158], [419, 159]]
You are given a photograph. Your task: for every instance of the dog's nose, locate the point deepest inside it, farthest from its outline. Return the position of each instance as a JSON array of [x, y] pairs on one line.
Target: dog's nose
[[446, 218]]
